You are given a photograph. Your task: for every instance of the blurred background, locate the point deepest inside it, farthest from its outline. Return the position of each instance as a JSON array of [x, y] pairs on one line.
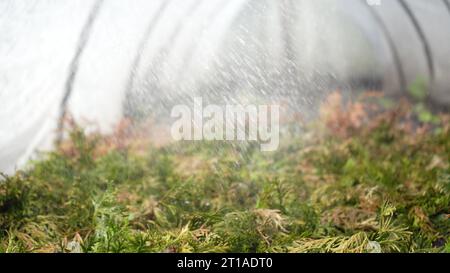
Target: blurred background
[[102, 61]]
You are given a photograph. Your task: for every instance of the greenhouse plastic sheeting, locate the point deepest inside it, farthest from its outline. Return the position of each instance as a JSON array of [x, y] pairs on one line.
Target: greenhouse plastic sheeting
[[97, 60]]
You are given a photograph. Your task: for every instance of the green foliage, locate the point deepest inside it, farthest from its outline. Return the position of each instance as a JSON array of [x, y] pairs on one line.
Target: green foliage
[[419, 92], [381, 189], [418, 89]]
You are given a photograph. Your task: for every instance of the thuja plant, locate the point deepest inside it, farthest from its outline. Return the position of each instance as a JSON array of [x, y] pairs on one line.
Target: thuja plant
[[362, 178]]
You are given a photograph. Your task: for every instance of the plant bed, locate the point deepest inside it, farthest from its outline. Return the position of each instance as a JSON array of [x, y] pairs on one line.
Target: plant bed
[[353, 182]]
